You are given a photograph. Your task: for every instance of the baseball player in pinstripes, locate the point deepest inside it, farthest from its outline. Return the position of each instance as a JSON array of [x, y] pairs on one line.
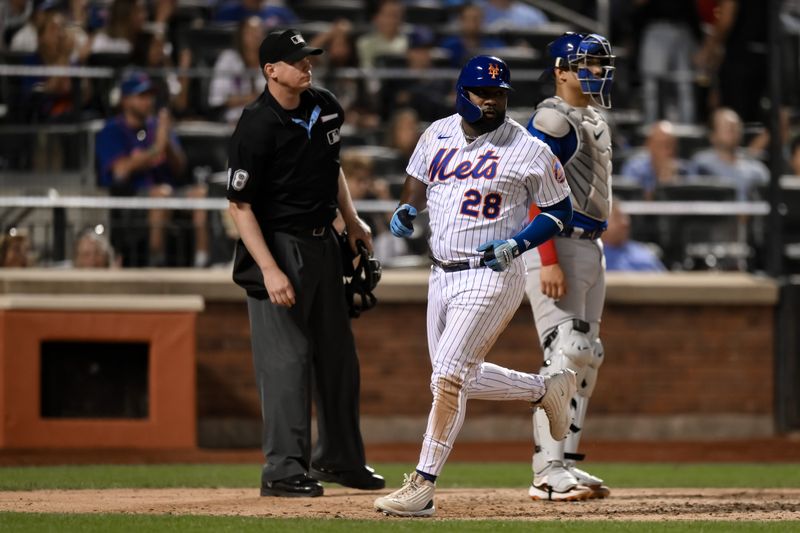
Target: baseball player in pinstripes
[[477, 171], [566, 277]]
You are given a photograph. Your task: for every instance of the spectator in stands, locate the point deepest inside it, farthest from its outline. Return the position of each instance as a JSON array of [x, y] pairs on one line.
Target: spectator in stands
[[126, 19], [469, 40], [15, 250], [403, 132], [93, 250], [386, 36], [670, 33], [657, 164], [273, 14], [151, 51], [51, 98], [364, 185], [27, 38], [725, 159], [14, 14], [507, 14], [736, 50], [621, 253], [429, 96], [138, 154], [237, 77], [340, 52], [794, 161]]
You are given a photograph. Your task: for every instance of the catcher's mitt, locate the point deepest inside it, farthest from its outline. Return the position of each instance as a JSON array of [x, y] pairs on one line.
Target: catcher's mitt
[[362, 273]]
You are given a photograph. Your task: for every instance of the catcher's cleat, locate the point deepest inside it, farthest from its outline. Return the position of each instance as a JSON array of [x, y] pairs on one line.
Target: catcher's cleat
[[559, 390], [556, 483], [599, 490], [414, 498]]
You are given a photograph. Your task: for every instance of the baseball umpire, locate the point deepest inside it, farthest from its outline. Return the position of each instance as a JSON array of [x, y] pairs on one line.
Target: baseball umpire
[[566, 277], [285, 186]]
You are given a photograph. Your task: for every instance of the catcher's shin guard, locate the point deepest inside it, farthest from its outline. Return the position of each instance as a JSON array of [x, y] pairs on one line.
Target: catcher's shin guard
[[587, 379], [567, 346]]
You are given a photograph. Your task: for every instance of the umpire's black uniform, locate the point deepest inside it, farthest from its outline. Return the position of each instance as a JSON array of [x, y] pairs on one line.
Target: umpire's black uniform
[[285, 164]]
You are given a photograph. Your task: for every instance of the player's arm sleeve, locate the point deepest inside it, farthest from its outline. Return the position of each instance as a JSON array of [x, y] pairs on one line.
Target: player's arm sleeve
[[549, 222], [552, 128], [418, 163], [415, 187], [547, 250]]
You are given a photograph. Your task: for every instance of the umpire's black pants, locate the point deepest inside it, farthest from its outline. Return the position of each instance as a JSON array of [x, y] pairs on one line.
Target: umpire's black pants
[[308, 347]]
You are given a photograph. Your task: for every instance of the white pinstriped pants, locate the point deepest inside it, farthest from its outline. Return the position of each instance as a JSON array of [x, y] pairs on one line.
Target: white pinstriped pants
[[467, 311]]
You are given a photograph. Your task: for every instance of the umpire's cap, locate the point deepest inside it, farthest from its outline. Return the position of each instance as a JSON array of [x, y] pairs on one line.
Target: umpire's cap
[[287, 45]]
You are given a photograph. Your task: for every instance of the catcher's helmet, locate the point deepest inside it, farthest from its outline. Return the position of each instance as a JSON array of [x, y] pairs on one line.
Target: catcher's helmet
[[480, 71], [577, 52]]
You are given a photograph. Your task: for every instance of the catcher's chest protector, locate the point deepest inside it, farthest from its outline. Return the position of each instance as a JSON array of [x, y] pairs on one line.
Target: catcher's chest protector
[[589, 169]]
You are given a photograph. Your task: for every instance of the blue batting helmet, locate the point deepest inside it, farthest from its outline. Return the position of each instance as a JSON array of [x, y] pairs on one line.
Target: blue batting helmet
[[577, 52], [480, 71]]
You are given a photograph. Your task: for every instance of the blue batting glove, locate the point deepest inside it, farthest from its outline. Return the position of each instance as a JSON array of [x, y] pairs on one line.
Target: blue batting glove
[[498, 254], [401, 224]]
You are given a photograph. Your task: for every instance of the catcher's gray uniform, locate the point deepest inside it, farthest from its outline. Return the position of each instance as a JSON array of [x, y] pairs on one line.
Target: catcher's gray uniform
[[569, 328]]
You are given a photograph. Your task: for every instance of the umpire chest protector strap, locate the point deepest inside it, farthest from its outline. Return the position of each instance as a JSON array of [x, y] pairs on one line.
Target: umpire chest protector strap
[[589, 169]]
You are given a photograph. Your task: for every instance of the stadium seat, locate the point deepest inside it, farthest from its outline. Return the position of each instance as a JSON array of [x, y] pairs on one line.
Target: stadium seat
[[699, 242], [329, 10]]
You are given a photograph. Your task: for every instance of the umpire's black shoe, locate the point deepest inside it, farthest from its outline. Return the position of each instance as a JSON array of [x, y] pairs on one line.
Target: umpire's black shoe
[[363, 478], [299, 486]]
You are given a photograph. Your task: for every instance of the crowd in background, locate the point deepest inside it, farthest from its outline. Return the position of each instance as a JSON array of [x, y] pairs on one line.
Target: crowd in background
[[683, 65]]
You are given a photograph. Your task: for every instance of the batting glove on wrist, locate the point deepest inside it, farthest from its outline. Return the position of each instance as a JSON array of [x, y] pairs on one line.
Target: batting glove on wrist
[[401, 224], [499, 254]]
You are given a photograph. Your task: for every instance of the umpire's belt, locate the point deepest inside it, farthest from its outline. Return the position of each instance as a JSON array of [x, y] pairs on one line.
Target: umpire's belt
[[574, 232], [455, 266], [314, 233]]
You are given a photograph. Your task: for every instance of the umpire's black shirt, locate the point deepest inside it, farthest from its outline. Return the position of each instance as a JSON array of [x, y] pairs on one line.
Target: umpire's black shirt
[[285, 164]]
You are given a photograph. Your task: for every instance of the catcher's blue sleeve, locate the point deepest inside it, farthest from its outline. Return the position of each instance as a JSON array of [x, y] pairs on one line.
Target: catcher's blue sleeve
[[546, 224], [563, 147]]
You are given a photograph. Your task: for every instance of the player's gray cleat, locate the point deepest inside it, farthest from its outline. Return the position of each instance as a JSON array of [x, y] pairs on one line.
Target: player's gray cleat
[[556, 483], [599, 490], [414, 498], [559, 390]]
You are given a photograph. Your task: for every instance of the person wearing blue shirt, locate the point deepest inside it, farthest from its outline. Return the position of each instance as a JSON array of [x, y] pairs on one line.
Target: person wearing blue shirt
[[623, 254], [657, 164], [502, 14], [138, 154], [239, 10], [470, 39]]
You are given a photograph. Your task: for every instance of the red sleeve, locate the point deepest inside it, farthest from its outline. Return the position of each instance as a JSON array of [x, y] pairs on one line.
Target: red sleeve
[[547, 250]]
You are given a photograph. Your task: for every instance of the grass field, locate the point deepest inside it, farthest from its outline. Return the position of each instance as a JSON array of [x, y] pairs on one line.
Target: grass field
[[624, 475], [456, 476]]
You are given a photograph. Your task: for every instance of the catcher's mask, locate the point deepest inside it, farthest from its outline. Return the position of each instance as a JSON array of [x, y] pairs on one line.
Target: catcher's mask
[[362, 273], [576, 52]]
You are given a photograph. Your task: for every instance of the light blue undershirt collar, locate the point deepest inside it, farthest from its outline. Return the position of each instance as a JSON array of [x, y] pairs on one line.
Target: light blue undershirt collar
[[314, 116]]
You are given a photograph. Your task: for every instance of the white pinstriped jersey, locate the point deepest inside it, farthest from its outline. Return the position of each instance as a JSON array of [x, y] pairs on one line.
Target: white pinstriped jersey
[[481, 191]]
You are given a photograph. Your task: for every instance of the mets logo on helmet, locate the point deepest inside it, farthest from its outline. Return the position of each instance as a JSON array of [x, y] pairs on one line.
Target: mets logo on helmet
[[494, 70]]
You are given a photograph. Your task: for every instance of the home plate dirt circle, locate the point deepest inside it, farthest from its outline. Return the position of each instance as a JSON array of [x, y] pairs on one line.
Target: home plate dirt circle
[[491, 504]]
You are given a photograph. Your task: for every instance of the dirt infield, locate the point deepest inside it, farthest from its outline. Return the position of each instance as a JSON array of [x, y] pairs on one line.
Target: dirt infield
[[495, 504]]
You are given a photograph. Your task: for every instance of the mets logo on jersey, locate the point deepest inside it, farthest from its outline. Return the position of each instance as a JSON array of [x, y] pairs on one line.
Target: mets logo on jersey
[[484, 167], [558, 171], [494, 71]]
